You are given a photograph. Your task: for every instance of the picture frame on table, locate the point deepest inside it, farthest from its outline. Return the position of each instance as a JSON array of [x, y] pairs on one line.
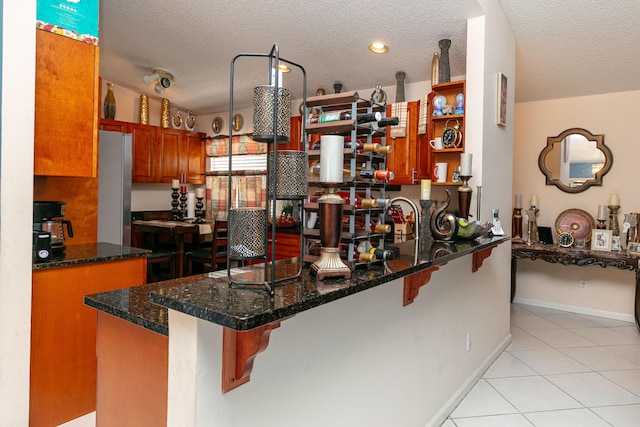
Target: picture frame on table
[[501, 114], [601, 240], [633, 248]]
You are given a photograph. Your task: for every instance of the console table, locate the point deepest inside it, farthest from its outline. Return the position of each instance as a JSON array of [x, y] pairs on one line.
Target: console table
[[579, 257]]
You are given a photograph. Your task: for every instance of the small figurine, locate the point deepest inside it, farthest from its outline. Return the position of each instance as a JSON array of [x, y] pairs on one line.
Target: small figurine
[[459, 104]]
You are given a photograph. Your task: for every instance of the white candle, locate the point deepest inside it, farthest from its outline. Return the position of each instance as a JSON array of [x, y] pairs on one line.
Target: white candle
[[518, 201], [602, 212], [200, 193], [331, 158], [175, 183], [425, 189], [465, 164], [614, 199], [534, 201], [191, 205]]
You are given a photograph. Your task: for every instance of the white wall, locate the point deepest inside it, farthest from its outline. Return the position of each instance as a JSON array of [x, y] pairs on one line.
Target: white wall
[[16, 204], [614, 116]]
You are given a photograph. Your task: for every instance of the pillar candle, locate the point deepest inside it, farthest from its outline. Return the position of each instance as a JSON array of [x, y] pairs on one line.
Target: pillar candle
[[518, 201], [425, 189], [602, 212], [175, 183], [614, 199], [200, 193], [534, 201], [191, 205], [465, 164], [331, 158]]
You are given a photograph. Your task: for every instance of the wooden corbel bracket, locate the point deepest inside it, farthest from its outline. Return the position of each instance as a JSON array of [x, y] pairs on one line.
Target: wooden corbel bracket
[[479, 257], [414, 282], [239, 349]]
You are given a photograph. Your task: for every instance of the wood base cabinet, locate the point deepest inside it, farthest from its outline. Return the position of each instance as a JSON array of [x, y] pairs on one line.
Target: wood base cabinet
[[66, 107], [63, 336]]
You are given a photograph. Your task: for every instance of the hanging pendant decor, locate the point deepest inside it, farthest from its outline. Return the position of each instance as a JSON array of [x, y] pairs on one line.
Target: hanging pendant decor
[[143, 110], [263, 106], [400, 76], [109, 106], [445, 71]]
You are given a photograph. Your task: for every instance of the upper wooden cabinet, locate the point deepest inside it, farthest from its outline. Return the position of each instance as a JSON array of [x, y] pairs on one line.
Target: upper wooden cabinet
[[66, 107], [161, 155], [409, 159]]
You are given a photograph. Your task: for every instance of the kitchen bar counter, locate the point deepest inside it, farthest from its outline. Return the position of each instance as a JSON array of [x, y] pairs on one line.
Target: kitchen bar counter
[[209, 297], [88, 253]]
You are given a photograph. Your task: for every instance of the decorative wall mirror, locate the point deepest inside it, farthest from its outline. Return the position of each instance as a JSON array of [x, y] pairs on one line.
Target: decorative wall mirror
[[575, 160]]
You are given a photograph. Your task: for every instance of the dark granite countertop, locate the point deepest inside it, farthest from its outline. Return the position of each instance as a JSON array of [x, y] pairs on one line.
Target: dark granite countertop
[[209, 297], [87, 253]]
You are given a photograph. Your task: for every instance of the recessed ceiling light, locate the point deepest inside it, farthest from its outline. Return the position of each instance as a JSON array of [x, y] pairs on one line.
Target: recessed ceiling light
[[378, 47], [284, 68]]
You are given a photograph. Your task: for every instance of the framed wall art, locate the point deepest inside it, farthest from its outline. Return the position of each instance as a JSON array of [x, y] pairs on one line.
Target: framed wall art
[[501, 115], [601, 240]]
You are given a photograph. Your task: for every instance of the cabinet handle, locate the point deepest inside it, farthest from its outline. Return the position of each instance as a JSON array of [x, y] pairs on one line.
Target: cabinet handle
[[414, 172]]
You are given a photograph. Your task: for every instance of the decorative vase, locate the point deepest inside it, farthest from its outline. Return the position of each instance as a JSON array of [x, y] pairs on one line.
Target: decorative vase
[[190, 121], [445, 71], [435, 69], [165, 120], [400, 75], [143, 110], [109, 106], [337, 87]]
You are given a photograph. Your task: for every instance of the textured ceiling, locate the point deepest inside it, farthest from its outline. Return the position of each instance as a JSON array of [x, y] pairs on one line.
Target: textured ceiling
[[563, 48]]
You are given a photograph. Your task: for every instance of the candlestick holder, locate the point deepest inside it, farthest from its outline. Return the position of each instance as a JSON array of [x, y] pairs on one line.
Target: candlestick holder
[[517, 225], [602, 224], [533, 236], [175, 213], [464, 196], [425, 220], [183, 204], [199, 210], [613, 220], [330, 207]]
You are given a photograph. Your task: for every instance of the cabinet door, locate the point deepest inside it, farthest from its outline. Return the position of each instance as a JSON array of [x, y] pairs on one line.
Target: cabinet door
[[402, 161], [194, 157], [144, 144], [66, 107], [295, 135], [170, 148]]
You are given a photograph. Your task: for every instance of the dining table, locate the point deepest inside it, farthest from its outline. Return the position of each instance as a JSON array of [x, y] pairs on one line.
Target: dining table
[[176, 230]]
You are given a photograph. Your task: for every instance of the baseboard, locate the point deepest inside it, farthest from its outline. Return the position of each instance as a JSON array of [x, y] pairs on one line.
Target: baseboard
[[575, 309], [465, 388]]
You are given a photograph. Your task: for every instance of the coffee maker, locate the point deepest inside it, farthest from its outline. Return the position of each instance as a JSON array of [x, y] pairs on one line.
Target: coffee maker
[[47, 220]]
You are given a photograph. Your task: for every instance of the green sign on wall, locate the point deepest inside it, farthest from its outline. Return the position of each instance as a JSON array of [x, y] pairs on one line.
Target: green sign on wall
[[77, 19]]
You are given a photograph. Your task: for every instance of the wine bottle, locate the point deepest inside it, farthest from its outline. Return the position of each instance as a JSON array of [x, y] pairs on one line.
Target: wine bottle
[[335, 116], [382, 228], [386, 121], [380, 175], [369, 203], [384, 149], [381, 253]]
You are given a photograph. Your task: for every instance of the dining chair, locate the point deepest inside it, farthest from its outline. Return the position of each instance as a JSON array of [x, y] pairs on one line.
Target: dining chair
[[211, 256], [162, 253]]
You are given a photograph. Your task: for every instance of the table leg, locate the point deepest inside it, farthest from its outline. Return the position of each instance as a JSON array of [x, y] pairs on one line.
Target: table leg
[[637, 302], [180, 242], [514, 270]]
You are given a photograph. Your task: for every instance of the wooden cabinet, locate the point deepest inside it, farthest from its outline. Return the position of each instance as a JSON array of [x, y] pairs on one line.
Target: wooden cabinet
[[287, 245], [295, 135], [66, 107], [63, 336], [160, 155], [410, 159], [438, 124]]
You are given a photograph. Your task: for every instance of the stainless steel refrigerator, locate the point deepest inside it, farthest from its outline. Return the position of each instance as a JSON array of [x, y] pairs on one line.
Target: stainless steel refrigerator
[[114, 187]]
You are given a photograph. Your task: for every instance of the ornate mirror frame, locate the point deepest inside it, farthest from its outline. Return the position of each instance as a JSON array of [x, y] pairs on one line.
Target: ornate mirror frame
[[596, 181]]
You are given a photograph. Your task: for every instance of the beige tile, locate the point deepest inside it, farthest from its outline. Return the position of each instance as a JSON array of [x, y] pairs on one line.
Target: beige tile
[[448, 423], [566, 418], [522, 340], [482, 400], [630, 380], [531, 322], [631, 352], [512, 420], [620, 416], [570, 320], [628, 331], [562, 338], [606, 322], [592, 389], [530, 394], [508, 366], [603, 336], [549, 361], [599, 358]]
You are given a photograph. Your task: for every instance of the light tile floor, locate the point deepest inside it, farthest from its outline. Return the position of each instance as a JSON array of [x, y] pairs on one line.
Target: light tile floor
[[561, 370]]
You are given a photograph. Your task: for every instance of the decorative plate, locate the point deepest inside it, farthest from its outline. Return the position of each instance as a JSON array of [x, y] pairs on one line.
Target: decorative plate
[[581, 222], [379, 96], [216, 125]]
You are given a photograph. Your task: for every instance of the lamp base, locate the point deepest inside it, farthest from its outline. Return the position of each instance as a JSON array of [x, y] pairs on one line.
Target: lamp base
[[330, 265]]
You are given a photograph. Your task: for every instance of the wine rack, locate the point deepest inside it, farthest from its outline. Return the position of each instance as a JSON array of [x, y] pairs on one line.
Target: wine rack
[[357, 219]]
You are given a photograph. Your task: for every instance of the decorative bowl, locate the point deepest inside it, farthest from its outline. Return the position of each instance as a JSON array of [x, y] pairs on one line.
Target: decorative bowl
[[473, 230]]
